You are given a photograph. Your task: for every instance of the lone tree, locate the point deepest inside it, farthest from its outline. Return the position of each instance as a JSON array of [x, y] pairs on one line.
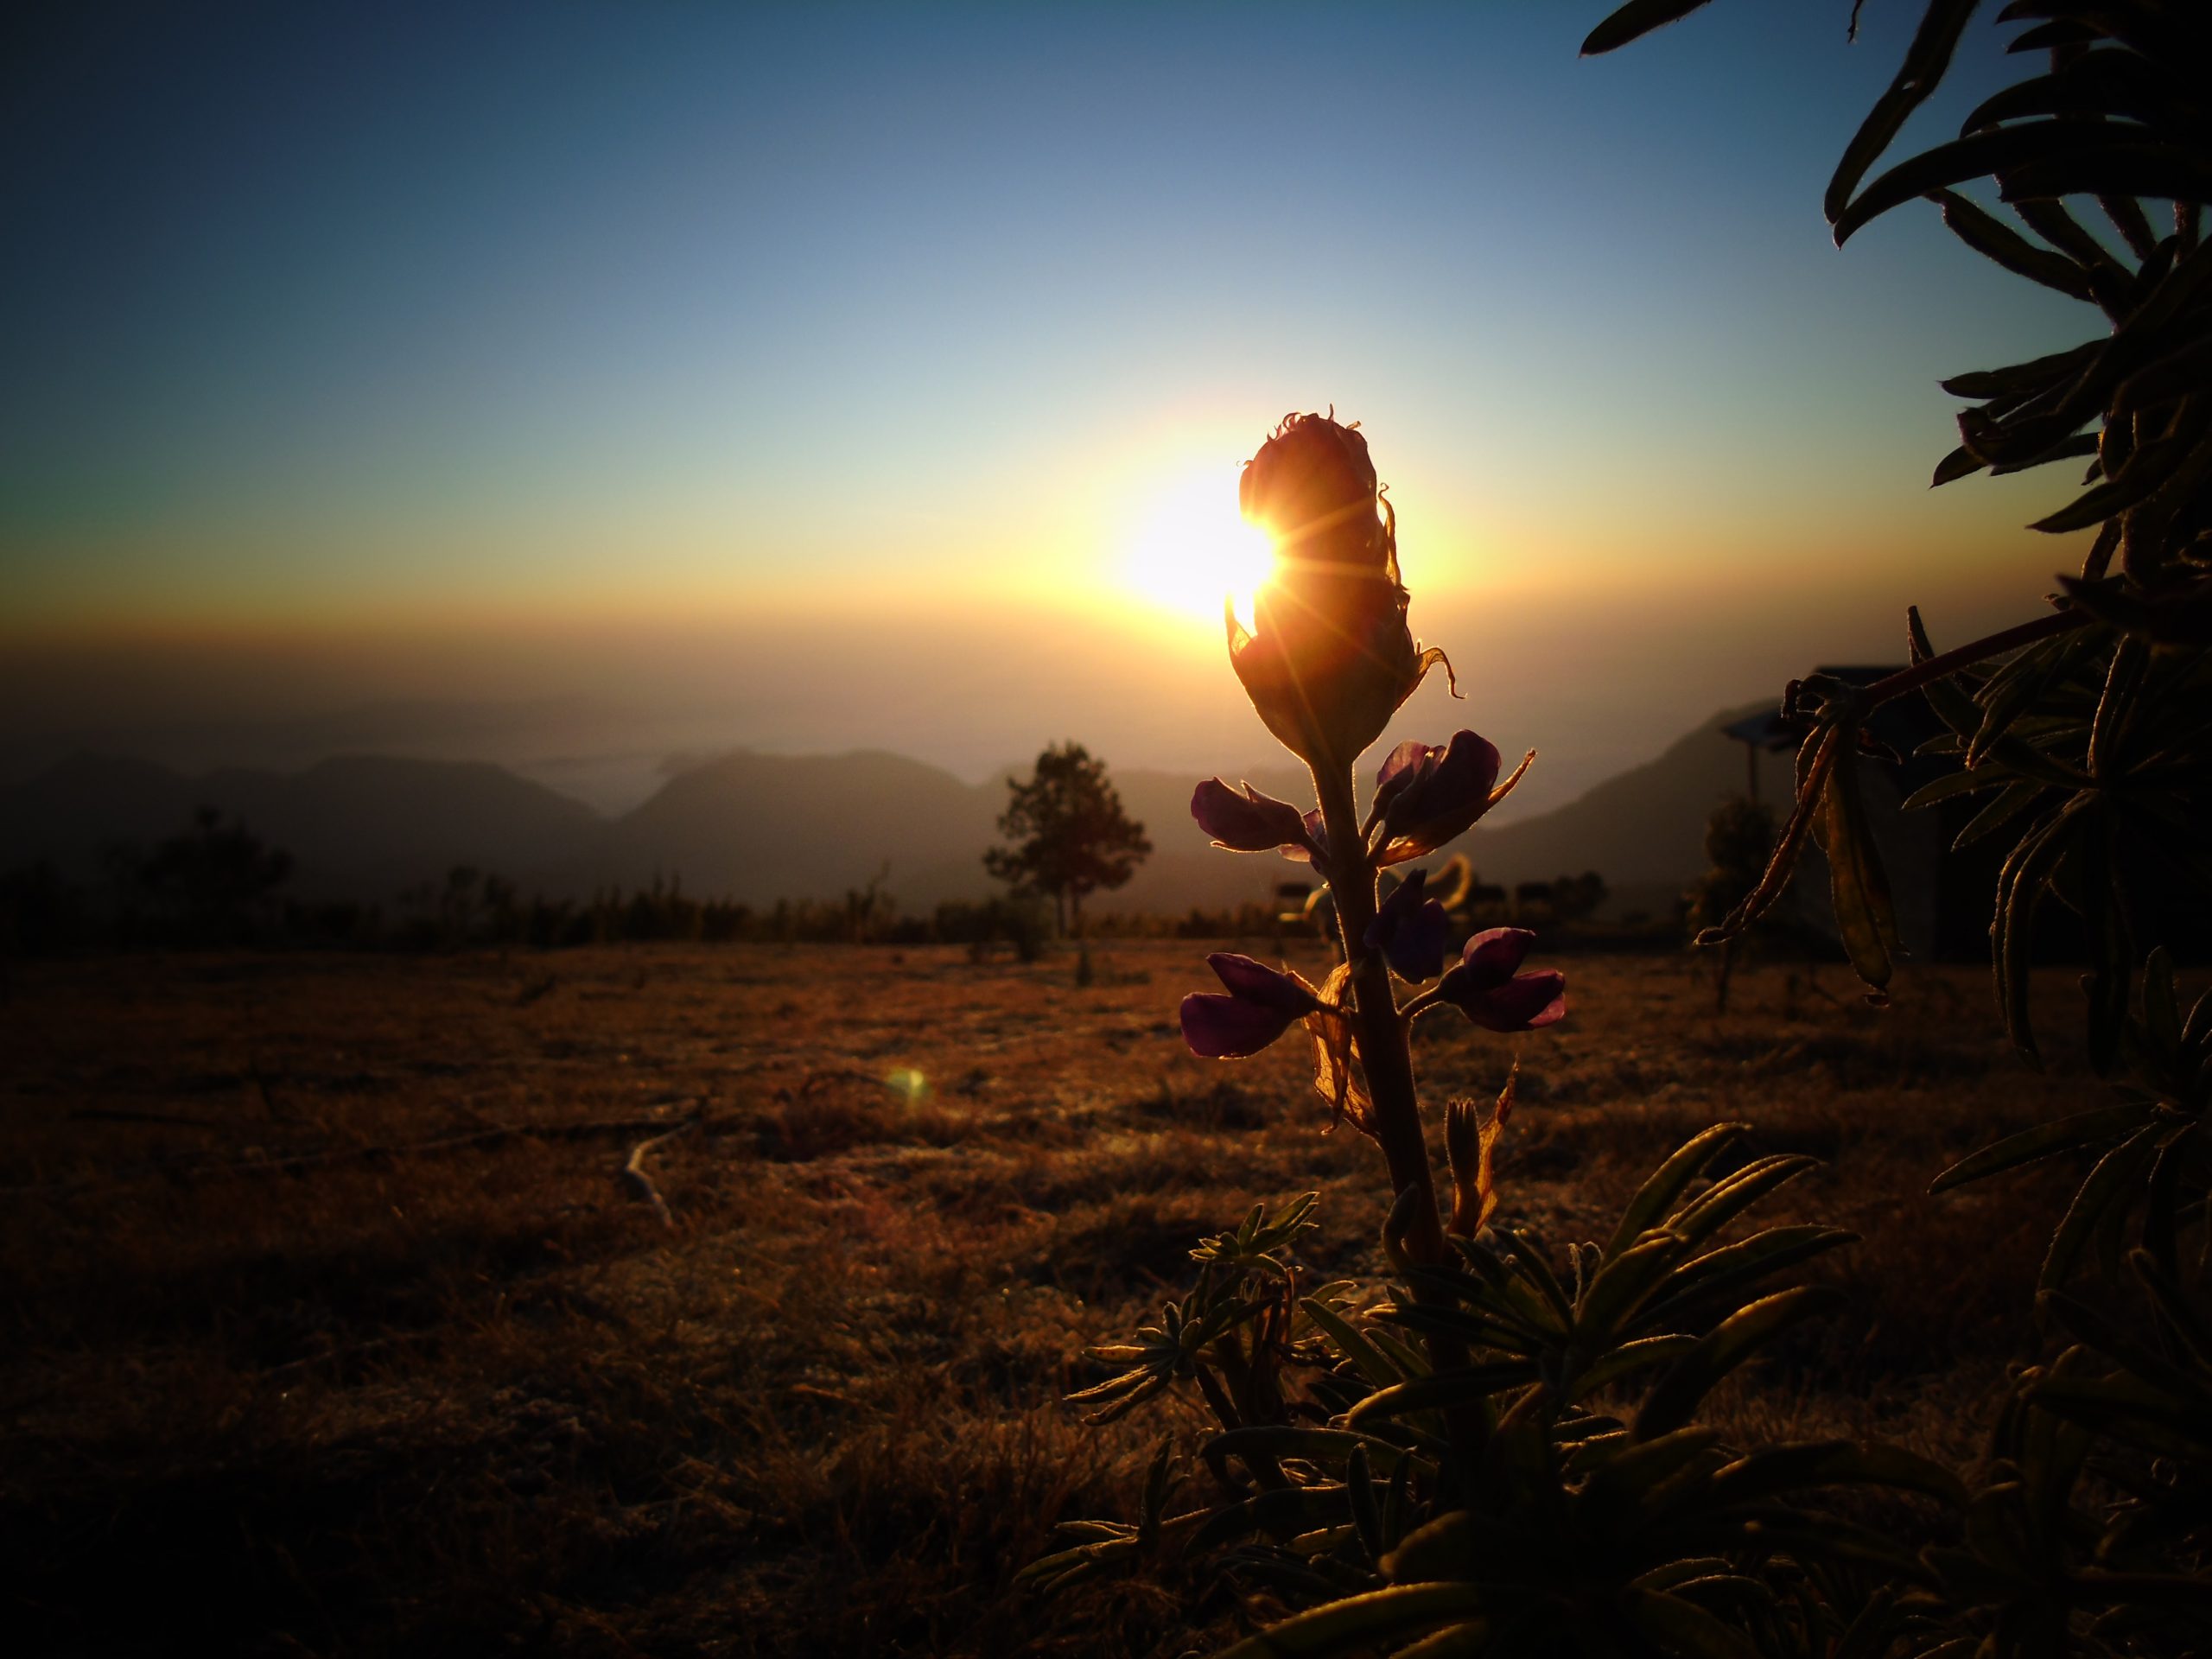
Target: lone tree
[[1070, 836]]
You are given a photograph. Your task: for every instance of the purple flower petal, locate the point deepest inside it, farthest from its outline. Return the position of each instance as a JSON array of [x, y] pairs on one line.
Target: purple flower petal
[[1399, 768], [1248, 822], [1228, 1027], [1494, 956], [1255, 982], [1435, 795], [1261, 1006], [1525, 1003], [1409, 930]]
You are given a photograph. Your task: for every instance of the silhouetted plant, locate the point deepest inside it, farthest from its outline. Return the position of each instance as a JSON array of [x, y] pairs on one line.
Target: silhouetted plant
[[213, 885], [1071, 837], [1520, 1472], [1502, 1454], [2090, 729]]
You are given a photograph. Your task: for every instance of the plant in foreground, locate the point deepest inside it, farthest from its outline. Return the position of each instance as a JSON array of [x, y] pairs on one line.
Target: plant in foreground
[[1502, 1457], [1502, 1453]]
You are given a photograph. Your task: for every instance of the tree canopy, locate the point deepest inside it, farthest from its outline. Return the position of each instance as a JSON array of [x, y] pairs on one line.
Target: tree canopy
[[1068, 833]]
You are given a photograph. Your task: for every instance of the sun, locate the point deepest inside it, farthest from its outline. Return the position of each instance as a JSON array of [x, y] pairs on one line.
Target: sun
[[1191, 550]]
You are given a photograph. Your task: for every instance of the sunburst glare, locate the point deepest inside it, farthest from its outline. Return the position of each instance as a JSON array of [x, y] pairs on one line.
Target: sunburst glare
[[1191, 550]]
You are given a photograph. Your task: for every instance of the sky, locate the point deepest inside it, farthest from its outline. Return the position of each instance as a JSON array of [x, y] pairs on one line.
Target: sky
[[590, 387]]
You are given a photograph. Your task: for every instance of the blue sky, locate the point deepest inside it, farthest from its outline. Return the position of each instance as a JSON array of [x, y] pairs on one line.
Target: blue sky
[[380, 320]]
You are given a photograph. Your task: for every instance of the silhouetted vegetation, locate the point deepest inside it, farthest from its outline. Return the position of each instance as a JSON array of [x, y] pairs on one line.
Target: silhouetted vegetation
[[1514, 1450], [1070, 836]]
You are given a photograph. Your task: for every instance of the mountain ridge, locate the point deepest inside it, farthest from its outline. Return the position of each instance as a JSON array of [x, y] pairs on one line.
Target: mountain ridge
[[758, 827]]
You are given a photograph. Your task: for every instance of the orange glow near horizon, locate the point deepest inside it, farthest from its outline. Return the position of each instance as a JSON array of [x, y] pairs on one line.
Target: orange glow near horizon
[[1191, 550]]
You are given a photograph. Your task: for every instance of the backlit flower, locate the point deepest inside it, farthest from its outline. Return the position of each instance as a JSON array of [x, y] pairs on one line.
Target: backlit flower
[[1485, 987], [1409, 930], [1248, 821], [1329, 658], [1261, 1006], [1425, 795]]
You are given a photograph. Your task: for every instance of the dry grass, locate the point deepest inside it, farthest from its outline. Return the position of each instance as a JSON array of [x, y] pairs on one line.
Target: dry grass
[[306, 1349]]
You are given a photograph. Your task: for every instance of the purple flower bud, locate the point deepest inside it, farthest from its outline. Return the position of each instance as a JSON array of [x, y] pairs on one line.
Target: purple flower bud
[[1409, 930], [1251, 821], [1329, 658], [1485, 987], [1261, 1006], [1424, 796]]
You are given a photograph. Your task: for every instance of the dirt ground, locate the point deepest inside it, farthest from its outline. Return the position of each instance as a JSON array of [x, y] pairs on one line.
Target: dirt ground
[[334, 1324]]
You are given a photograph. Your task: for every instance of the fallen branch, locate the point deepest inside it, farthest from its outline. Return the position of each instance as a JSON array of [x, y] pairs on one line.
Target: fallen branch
[[640, 1184]]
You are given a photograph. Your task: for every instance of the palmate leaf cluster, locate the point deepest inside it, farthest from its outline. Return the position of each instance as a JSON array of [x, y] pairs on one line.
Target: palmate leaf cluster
[[1596, 1513]]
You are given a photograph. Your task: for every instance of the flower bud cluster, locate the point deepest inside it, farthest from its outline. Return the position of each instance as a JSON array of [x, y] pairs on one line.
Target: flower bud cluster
[[1328, 662]]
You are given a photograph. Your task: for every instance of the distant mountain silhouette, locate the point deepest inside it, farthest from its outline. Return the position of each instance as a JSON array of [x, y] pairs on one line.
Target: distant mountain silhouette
[[763, 826], [357, 827], [759, 828]]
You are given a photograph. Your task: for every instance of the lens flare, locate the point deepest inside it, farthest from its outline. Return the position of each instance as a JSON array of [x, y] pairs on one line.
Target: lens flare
[[1191, 550]]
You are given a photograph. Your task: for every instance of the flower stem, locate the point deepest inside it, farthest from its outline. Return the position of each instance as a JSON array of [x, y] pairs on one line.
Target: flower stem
[[1381, 1031], [1385, 1056]]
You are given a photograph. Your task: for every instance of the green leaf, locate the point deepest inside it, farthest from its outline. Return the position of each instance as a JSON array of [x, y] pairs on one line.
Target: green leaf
[[1978, 155], [1471, 1386], [1734, 1268], [1950, 784], [1660, 1189], [2020, 888], [1683, 1628], [2093, 1328], [2044, 1141], [2017, 798], [1366, 1508], [2148, 468], [2108, 81], [1621, 1284], [2114, 168], [1350, 1343], [1725, 1200], [1319, 1445], [1625, 1482], [1995, 240], [1949, 701], [1677, 1393], [1529, 1265], [1858, 885], [1634, 21], [1925, 60], [1357, 1621], [2107, 1184], [1627, 1359], [1784, 1469]]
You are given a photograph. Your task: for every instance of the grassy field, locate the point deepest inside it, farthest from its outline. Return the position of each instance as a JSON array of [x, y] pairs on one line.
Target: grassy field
[[333, 1323]]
